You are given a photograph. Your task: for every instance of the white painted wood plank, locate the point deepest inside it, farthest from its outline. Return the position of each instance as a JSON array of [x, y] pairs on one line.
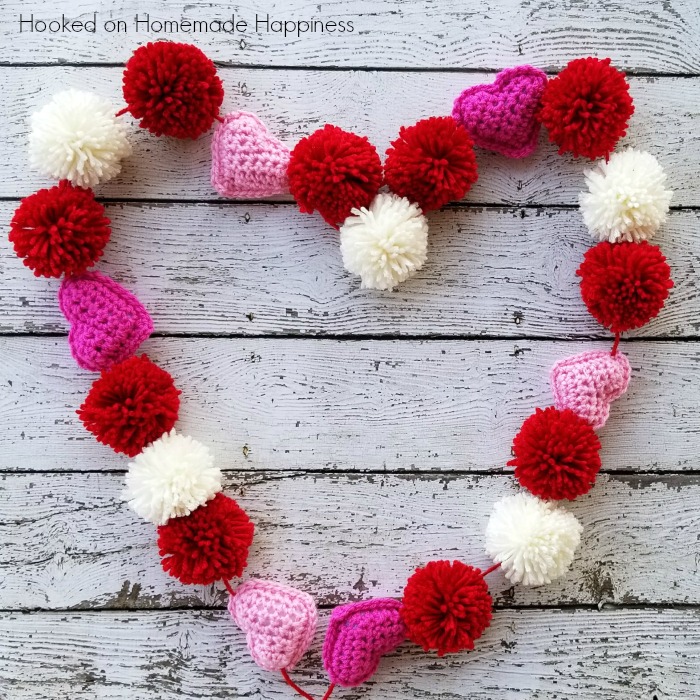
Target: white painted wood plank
[[524, 655], [366, 405], [294, 103], [643, 34], [263, 269], [69, 541]]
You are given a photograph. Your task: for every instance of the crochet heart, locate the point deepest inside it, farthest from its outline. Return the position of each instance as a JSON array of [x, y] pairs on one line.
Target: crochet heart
[[358, 635], [107, 323], [588, 382], [246, 159], [279, 622], [502, 116]]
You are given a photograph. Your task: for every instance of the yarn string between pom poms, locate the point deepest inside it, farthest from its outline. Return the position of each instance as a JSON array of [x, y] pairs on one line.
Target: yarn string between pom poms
[[301, 691]]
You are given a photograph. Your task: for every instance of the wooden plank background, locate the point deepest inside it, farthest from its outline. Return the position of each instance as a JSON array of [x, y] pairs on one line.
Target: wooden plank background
[[364, 432]]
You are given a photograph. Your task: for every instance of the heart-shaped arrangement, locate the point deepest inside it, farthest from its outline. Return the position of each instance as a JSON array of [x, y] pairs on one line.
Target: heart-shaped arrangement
[[203, 535], [502, 116], [107, 323], [358, 635], [247, 161], [279, 622], [589, 382]]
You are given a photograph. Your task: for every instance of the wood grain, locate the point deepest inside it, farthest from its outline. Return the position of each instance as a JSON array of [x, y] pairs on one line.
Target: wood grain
[[294, 103], [268, 269], [265, 404], [649, 35], [524, 655], [70, 542]]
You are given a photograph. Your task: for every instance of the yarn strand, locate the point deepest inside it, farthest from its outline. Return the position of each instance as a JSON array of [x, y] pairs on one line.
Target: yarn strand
[[329, 692], [613, 352], [294, 686], [229, 587], [491, 569]]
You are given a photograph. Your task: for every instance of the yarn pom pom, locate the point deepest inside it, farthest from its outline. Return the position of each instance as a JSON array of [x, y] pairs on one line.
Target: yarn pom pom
[[624, 285], [532, 540], [210, 544], [446, 606], [626, 198], [334, 171], [556, 454], [586, 108], [170, 478], [131, 405], [385, 244], [431, 163], [173, 89], [59, 231], [76, 137]]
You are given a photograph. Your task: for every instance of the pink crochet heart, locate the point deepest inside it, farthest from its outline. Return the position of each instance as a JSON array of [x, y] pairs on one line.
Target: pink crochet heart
[[279, 622], [246, 159], [502, 116], [358, 635], [588, 382], [107, 323]]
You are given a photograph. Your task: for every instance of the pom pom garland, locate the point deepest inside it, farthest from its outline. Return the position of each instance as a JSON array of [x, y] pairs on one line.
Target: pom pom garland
[[586, 108], [172, 477], [446, 606], [59, 231], [624, 285], [173, 89], [76, 137], [385, 244], [334, 172], [532, 540], [131, 405], [431, 163], [556, 454], [211, 544], [626, 198]]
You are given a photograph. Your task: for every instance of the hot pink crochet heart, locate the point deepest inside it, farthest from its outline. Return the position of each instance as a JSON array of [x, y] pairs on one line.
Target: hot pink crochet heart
[[588, 382], [279, 622], [246, 159], [502, 116], [358, 635], [107, 323]]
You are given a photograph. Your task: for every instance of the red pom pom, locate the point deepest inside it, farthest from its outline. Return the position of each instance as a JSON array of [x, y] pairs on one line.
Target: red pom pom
[[556, 454], [131, 405], [173, 89], [431, 163], [334, 171], [586, 108], [210, 544], [59, 231], [446, 606], [624, 285]]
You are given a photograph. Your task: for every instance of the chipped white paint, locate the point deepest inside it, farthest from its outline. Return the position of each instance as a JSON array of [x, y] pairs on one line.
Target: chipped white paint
[[290, 418]]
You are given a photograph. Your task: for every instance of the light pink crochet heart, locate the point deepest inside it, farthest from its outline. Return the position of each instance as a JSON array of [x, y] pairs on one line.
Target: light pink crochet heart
[[588, 382], [279, 622], [107, 323], [502, 116], [358, 635], [246, 159]]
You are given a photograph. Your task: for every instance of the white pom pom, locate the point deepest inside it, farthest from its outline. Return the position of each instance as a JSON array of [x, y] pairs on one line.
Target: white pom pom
[[533, 540], [386, 243], [76, 137], [626, 198], [171, 477]]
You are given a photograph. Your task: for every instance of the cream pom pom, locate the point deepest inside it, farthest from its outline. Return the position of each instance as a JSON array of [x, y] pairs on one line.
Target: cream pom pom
[[533, 540], [626, 198], [171, 477], [386, 243], [76, 137]]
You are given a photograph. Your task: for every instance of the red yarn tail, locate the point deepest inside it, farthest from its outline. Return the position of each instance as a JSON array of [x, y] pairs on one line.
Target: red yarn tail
[[294, 686], [613, 352], [491, 569], [229, 587], [218, 117], [122, 111], [329, 691]]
